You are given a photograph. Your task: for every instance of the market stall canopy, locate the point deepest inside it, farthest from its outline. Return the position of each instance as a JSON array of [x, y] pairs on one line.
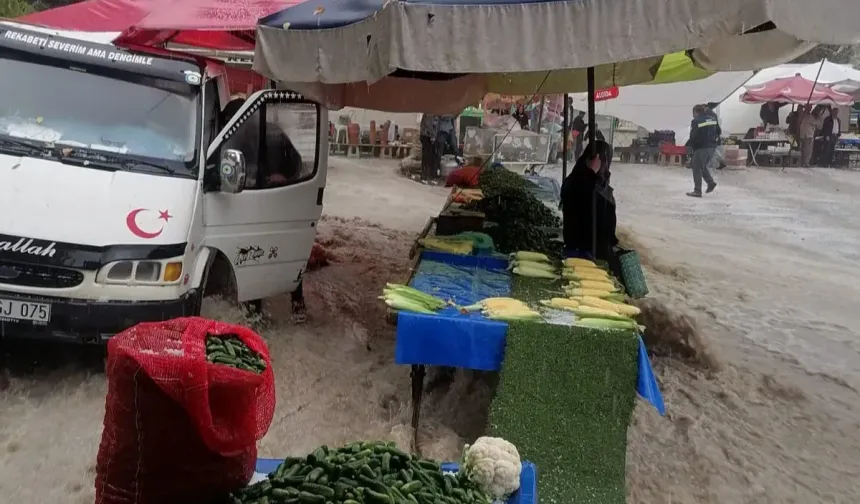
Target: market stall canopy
[[797, 90], [212, 24], [346, 41]]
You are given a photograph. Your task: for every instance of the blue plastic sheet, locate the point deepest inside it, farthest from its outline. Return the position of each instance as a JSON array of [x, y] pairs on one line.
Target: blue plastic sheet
[[527, 494], [646, 383], [470, 341], [452, 338]]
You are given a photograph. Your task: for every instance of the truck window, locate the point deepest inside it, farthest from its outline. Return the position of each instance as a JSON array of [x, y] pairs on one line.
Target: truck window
[[283, 151], [133, 117]]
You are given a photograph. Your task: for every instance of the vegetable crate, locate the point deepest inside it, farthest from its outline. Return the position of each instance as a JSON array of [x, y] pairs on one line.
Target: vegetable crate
[[527, 494]]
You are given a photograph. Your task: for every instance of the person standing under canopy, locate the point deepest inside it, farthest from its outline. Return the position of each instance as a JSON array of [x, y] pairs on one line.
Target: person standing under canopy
[[704, 137], [831, 130], [588, 208], [431, 148], [769, 113]]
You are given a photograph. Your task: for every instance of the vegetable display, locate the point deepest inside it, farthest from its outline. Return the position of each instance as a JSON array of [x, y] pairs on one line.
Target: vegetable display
[[229, 350], [519, 215], [362, 473]]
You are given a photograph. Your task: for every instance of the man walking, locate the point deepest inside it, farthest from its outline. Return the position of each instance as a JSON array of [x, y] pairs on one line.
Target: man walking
[[832, 130], [704, 134], [430, 147]]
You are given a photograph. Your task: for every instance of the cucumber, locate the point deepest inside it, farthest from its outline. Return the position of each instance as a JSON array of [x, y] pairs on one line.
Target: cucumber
[[313, 488], [309, 498], [314, 474], [412, 487], [378, 498], [386, 462], [405, 476]]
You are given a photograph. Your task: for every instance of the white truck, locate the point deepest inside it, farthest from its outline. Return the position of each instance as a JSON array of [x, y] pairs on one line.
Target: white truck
[[126, 195]]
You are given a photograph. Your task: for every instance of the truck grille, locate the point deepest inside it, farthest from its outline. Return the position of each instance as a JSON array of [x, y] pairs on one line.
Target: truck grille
[[36, 275]]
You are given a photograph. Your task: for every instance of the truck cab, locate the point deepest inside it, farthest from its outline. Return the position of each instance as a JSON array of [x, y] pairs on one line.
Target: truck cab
[[126, 194]]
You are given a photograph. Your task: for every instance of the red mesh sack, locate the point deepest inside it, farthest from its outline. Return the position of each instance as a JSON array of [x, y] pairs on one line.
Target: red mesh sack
[[177, 428]]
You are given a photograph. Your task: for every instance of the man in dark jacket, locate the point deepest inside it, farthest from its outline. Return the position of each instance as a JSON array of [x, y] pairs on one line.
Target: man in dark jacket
[[588, 208], [704, 136], [831, 130]]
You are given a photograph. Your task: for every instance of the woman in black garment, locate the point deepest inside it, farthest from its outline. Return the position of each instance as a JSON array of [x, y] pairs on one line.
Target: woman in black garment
[[588, 208]]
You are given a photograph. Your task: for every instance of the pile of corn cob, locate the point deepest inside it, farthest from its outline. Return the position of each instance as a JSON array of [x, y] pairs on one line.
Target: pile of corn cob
[[533, 265], [594, 297], [505, 309], [405, 298]]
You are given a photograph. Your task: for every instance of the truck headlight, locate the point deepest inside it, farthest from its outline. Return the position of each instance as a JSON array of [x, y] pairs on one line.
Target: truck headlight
[[141, 272]]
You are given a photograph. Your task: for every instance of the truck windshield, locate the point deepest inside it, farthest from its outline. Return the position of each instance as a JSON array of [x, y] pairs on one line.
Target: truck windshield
[[145, 119]]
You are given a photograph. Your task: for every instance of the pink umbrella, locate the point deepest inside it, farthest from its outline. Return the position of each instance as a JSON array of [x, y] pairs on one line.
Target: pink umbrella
[[795, 90]]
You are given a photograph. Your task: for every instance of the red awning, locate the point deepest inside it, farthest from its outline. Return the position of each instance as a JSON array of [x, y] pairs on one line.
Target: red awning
[[213, 24]]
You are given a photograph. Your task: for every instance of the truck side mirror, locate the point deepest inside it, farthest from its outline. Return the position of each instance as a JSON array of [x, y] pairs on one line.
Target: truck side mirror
[[232, 171]]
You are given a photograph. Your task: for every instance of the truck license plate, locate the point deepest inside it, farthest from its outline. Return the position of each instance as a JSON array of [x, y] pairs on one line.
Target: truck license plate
[[16, 311]]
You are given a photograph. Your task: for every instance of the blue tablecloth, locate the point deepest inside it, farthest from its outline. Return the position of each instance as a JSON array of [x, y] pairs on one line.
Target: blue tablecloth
[[471, 341], [527, 494]]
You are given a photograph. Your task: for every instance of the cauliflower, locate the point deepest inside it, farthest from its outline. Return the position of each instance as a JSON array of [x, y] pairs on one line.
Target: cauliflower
[[493, 464]]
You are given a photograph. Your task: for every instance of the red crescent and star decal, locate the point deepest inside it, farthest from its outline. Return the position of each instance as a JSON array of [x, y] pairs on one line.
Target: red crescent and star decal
[[131, 223]]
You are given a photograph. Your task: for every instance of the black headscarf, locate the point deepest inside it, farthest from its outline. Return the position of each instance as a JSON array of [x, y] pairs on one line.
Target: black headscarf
[[587, 201]]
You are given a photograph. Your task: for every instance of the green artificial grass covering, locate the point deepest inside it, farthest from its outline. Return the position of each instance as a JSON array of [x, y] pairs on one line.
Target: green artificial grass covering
[[565, 399]]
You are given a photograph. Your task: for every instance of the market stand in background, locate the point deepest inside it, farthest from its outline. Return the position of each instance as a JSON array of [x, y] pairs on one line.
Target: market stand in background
[[773, 141]]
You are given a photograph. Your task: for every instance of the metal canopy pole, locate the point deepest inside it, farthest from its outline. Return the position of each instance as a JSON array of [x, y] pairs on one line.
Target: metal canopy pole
[[565, 133], [592, 144], [592, 115]]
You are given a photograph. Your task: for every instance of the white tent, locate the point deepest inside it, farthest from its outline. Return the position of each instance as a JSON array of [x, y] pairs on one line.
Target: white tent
[[666, 106]]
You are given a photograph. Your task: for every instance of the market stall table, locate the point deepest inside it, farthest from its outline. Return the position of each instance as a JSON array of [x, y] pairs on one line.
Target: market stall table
[[755, 145], [470, 341]]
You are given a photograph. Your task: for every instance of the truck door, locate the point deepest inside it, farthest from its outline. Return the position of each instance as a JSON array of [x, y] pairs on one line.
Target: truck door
[[266, 228]]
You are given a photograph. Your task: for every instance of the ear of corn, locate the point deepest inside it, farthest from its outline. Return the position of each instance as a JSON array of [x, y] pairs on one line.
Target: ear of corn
[[404, 304], [578, 291], [602, 323], [525, 255], [512, 315], [629, 310], [534, 265], [560, 303], [594, 284], [573, 262], [460, 247], [599, 303], [584, 311], [534, 273], [503, 304], [585, 274]]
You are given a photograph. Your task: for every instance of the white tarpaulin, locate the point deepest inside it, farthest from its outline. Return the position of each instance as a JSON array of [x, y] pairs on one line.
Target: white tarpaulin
[[667, 106]]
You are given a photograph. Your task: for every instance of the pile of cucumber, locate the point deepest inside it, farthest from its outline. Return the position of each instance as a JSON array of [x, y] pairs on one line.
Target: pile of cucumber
[[229, 350], [361, 473]]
